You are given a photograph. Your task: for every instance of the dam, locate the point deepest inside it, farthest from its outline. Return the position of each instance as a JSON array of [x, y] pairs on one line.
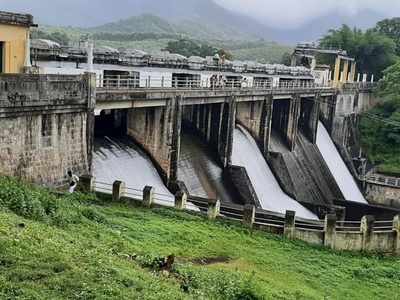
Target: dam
[[247, 154], [337, 166], [119, 158]]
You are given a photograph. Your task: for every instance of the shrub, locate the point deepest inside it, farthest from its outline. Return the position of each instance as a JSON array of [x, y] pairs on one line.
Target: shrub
[[27, 201]]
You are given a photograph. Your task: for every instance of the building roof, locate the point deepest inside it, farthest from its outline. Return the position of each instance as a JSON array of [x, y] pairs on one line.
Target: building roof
[[16, 19], [44, 44]]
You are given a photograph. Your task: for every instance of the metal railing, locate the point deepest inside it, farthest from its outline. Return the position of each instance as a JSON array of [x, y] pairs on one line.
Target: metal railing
[[262, 218], [383, 180], [133, 82]]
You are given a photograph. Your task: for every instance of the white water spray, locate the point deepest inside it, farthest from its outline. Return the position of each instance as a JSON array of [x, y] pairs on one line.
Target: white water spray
[[337, 166], [247, 154]]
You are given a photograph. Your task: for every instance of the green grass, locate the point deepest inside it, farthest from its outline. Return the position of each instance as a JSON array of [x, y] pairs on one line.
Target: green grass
[[84, 248]]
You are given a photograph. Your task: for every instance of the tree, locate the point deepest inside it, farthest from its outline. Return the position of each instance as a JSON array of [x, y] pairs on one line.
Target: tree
[[391, 29], [286, 59], [380, 127], [373, 51], [60, 37], [189, 48]]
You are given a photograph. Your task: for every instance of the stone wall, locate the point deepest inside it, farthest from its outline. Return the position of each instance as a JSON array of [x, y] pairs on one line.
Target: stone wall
[[382, 195], [45, 124]]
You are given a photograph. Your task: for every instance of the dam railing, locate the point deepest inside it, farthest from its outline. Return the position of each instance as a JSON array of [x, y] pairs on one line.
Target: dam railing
[[127, 82], [383, 180], [367, 234]]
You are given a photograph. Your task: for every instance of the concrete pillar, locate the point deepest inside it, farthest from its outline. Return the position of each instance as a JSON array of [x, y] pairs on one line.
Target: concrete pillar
[[364, 78], [148, 196], [293, 61], [225, 145], [176, 138], [314, 118], [336, 73], [214, 207], [118, 190], [293, 121], [209, 127], [313, 63], [352, 76], [340, 212], [180, 200], [372, 78], [289, 227], [367, 228], [89, 52], [265, 123], [358, 77], [396, 228], [249, 215], [341, 77], [345, 71], [330, 231], [86, 183], [28, 62], [90, 79]]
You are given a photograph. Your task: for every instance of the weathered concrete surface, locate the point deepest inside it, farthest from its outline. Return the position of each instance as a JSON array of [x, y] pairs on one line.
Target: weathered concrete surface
[[45, 126], [216, 123], [382, 195], [303, 174], [256, 117], [242, 183], [157, 130]]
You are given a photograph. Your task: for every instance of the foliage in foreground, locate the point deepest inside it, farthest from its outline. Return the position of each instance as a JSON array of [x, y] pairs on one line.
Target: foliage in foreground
[[85, 248]]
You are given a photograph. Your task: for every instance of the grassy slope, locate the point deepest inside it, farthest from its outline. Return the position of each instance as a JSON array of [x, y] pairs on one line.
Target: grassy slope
[[85, 250]]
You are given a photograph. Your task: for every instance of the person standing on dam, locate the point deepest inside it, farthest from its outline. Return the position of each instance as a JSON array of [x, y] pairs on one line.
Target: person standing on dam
[[73, 182]]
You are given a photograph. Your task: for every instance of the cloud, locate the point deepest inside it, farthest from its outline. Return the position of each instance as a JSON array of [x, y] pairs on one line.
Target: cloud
[[292, 13]]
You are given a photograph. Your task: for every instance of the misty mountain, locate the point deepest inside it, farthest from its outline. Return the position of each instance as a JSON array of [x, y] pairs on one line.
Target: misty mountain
[[202, 16], [147, 23]]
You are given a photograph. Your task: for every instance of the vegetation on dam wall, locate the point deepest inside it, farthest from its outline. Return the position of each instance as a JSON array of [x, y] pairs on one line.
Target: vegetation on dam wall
[[380, 127], [82, 247]]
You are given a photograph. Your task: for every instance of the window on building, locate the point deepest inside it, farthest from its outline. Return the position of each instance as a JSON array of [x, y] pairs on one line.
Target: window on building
[[1, 57], [47, 128]]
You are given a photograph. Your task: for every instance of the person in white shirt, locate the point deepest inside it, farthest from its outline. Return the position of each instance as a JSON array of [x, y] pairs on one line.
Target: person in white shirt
[[73, 181]]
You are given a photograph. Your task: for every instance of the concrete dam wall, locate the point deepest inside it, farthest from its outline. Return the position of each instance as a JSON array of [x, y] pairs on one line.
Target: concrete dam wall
[[337, 166], [246, 153]]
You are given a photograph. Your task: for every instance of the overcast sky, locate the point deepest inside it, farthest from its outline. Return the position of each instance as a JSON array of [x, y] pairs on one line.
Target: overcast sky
[[283, 14], [292, 13]]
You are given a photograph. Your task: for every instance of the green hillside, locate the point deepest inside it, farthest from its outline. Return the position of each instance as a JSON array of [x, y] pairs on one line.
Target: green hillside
[[144, 24], [80, 247], [151, 34]]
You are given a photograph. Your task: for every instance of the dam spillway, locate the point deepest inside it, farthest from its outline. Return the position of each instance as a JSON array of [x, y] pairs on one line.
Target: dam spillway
[[118, 158], [337, 166], [246, 153], [199, 169]]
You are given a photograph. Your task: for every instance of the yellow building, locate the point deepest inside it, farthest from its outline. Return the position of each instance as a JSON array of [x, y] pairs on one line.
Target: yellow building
[[14, 42]]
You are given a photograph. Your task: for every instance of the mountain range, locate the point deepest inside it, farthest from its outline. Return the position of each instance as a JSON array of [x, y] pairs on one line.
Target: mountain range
[[203, 17]]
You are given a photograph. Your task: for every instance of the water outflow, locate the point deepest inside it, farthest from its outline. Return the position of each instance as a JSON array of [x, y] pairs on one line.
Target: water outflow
[[247, 154], [337, 166], [120, 159], [198, 168]]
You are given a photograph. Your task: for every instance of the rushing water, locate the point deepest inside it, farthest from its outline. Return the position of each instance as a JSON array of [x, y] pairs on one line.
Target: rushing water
[[199, 170], [337, 166], [246, 153], [120, 159]]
